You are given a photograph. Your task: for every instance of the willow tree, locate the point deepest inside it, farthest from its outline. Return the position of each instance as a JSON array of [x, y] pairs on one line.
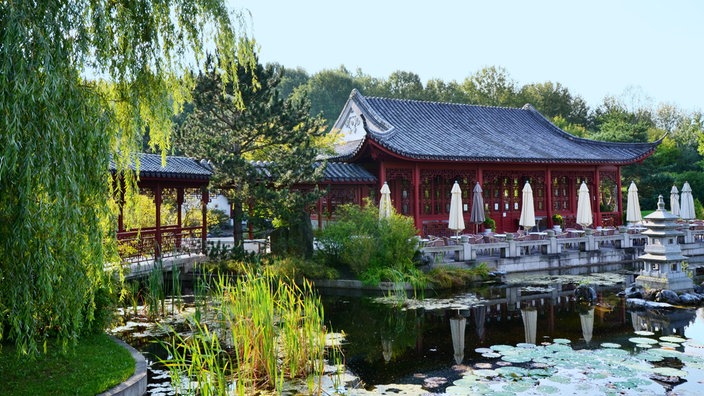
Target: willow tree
[[80, 80]]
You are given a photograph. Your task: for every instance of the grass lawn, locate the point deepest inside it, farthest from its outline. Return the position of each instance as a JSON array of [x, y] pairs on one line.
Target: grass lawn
[[95, 365]]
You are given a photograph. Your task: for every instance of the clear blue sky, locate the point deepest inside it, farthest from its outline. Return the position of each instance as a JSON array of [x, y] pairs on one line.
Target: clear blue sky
[[595, 48]]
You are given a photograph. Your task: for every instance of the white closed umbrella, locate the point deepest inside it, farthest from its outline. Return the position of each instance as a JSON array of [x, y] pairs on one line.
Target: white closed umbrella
[[527, 220], [587, 321], [530, 323], [584, 206], [456, 222], [687, 204], [385, 202], [633, 205], [675, 201], [458, 325]]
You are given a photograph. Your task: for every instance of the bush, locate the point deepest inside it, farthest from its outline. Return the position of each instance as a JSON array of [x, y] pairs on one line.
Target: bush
[[368, 246]]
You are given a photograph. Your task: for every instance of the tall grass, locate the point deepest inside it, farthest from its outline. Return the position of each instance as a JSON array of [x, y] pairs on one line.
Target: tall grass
[[155, 296], [267, 331]]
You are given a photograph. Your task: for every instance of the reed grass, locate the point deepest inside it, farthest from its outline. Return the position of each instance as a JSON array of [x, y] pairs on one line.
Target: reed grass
[[266, 331]]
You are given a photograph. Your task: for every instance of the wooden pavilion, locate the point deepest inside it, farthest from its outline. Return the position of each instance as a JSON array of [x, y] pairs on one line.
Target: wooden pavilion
[[422, 148], [181, 179]]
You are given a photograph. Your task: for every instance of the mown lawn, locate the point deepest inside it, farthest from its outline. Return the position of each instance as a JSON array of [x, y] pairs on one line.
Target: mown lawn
[[95, 365]]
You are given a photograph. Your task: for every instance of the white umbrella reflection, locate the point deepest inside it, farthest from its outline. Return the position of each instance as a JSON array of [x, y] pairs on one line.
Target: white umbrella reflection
[[527, 220], [587, 321], [456, 222], [385, 202], [387, 349], [633, 214], [477, 215], [675, 201], [687, 204], [457, 327], [530, 323], [584, 206]]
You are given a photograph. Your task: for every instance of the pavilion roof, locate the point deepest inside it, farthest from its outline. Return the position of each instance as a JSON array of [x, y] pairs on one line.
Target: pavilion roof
[[336, 172], [459, 132], [176, 167]]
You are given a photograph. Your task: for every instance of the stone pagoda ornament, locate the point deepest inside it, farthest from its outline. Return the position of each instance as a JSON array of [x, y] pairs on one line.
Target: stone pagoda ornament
[[662, 260]]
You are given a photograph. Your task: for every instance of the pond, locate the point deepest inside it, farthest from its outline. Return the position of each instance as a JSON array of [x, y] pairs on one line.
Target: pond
[[527, 336]]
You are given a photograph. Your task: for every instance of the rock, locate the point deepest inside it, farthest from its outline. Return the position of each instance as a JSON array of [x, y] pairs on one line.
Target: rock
[[585, 294], [690, 299], [699, 289], [639, 303], [650, 294], [633, 291], [667, 296]]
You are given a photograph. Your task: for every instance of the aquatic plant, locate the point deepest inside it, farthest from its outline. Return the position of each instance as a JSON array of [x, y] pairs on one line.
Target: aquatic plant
[[264, 331], [155, 296]]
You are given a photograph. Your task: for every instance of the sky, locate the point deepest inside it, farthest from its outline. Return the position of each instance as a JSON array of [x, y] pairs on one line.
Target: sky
[[643, 52]]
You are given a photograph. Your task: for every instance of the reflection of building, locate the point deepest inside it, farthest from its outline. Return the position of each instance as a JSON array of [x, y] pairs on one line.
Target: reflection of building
[[421, 148], [662, 261], [667, 322]]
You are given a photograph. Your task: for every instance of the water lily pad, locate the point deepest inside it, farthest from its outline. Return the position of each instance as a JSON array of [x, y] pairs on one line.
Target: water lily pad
[[669, 345], [651, 357], [455, 390], [669, 372], [560, 379], [561, 341], [666, 352], [483, 350], [512, 371], [486, 373], [610, 345], [491, 355], [673, 339], [482, 366], [525, 345], [517, 358], [547, 389], [517, 387], [644, 333], [644, 346], [502, 348], [642, 340]]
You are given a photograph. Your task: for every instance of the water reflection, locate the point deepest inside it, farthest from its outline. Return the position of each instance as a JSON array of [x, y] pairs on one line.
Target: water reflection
[[458, 325], [392, 344]]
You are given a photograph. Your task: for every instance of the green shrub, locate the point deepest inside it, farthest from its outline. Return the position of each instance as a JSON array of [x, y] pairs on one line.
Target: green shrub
[[367, 246]]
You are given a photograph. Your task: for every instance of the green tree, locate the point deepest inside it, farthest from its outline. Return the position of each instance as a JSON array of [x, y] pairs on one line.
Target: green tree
[[404, 85], [290, 79], [258, 150], [58, 130], [327, 91], [492, 86]]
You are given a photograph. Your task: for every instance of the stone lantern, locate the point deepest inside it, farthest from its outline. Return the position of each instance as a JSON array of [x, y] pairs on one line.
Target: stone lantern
[[662, 260]]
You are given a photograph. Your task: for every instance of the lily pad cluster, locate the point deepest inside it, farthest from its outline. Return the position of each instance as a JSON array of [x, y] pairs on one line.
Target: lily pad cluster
[[557, 368]]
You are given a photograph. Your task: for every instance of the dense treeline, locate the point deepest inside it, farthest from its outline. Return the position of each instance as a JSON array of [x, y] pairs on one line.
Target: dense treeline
[[629, 118]]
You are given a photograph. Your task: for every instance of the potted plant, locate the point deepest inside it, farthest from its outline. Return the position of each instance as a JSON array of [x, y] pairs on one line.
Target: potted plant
[[489, 224], [557, 221]]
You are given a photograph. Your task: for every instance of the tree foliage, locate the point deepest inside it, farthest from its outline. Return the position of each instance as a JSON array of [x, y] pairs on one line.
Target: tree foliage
[[58, 130], [258, 151]]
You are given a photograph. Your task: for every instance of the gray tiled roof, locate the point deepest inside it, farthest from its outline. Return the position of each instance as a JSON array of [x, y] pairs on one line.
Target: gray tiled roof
[[176, 167], [344, 172], [459, 132]]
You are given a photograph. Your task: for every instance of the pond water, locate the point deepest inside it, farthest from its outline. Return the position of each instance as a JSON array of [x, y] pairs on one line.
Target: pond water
[[528, 336]]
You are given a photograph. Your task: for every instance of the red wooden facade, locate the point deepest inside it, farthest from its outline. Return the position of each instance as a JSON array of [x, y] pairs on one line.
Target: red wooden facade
[[422, 148]]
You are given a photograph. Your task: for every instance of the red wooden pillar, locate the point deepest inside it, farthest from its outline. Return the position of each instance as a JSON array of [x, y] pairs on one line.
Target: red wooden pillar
[[320, 212], [619, 202], [121, 205], [597, 195], [205, 197], [157, 230], [548, 197], [179, 216], [416, 198]]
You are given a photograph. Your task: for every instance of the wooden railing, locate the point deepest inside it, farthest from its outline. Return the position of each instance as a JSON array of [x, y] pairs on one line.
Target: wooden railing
[[141, 245]]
